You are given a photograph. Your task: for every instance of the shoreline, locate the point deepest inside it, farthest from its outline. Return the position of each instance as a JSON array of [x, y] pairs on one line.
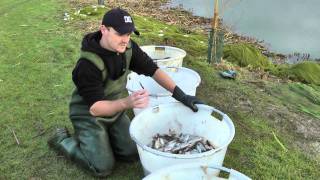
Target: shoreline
[[161, 10]]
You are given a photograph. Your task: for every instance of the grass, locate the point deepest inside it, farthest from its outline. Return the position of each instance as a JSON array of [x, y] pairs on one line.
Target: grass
[[246, 55], [307, 96], [37, 53], [260, 154]]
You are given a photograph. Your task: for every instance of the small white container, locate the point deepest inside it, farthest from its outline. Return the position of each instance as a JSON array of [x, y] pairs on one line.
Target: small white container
[[188, 80], [181, 119], [165, 56]]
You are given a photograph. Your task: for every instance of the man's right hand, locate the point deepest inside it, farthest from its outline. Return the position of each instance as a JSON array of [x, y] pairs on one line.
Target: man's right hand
[[138, 99]]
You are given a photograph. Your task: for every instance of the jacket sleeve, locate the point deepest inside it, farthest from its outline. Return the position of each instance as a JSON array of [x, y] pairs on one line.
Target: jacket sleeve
[[88, 80]]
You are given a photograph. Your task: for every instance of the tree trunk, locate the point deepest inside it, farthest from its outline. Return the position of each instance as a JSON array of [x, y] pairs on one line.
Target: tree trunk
[[101, 2]]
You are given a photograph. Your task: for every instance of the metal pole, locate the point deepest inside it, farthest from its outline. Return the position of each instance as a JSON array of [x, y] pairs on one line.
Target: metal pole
[[212, 36], [101, 2], [219, 46], [210, 44]]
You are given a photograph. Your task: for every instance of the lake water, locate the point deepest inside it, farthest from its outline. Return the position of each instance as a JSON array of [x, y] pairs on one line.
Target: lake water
[[287, 26]]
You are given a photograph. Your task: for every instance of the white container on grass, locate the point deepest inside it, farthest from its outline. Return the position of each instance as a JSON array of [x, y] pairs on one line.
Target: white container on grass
[[188, 80], [181, 119], [165, 56]]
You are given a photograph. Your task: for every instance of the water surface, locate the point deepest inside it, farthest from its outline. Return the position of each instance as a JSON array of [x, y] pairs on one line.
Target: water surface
[[287, 26]]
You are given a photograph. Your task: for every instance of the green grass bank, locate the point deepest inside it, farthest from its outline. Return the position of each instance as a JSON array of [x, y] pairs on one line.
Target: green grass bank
[[38, 50]]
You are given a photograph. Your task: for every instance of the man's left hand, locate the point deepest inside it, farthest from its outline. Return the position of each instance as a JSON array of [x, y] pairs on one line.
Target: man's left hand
[[187, 100]]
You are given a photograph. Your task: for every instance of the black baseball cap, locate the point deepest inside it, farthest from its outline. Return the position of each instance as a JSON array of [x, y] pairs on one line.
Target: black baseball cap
[[120, 20]]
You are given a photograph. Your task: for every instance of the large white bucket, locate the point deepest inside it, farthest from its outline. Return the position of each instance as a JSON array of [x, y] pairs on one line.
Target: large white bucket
[[165, 55], [195, 171], [181, 119], [187, 79]]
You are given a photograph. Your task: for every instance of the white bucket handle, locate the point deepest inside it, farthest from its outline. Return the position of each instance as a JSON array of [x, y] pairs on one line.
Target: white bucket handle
[[163, 49], [159, 48], [212, 109], [173, 68], [233, 174]]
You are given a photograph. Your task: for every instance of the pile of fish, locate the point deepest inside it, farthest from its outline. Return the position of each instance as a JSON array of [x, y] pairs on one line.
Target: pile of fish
[[180, 143]]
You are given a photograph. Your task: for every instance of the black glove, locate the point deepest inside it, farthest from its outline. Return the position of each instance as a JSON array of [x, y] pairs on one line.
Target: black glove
[[187, 100]]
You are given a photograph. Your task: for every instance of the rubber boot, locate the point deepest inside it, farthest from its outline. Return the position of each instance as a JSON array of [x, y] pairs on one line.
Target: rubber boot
[[55, 140], [89, 147]]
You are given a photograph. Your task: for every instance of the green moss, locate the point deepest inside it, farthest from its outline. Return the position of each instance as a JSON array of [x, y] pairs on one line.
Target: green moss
[[281, 70], [306, 72], [246, 55]]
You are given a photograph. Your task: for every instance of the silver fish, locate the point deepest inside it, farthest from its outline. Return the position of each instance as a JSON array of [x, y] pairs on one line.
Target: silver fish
[[180, 143]]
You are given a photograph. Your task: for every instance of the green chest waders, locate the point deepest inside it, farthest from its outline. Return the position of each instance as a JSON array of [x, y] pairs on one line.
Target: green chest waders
[[98, 139]]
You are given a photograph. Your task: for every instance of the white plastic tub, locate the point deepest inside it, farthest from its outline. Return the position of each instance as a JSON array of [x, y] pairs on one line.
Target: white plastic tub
[[195, 171], [181, 119], [165, 55], [188, 80]]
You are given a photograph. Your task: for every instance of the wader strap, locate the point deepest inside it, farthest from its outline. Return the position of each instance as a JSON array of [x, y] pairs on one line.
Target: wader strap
[[97, 61]]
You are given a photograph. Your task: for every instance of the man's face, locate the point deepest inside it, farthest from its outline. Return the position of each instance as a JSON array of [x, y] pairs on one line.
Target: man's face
[[114, 41]]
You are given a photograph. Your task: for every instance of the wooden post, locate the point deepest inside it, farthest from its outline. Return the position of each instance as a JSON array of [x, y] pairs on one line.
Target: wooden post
[[215, 15]]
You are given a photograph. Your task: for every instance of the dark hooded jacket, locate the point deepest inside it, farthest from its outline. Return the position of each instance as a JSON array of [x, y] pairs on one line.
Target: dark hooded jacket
[[88, 78]]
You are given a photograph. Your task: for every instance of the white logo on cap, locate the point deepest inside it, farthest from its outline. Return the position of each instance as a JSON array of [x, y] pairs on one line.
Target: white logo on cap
[[127, 19]]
